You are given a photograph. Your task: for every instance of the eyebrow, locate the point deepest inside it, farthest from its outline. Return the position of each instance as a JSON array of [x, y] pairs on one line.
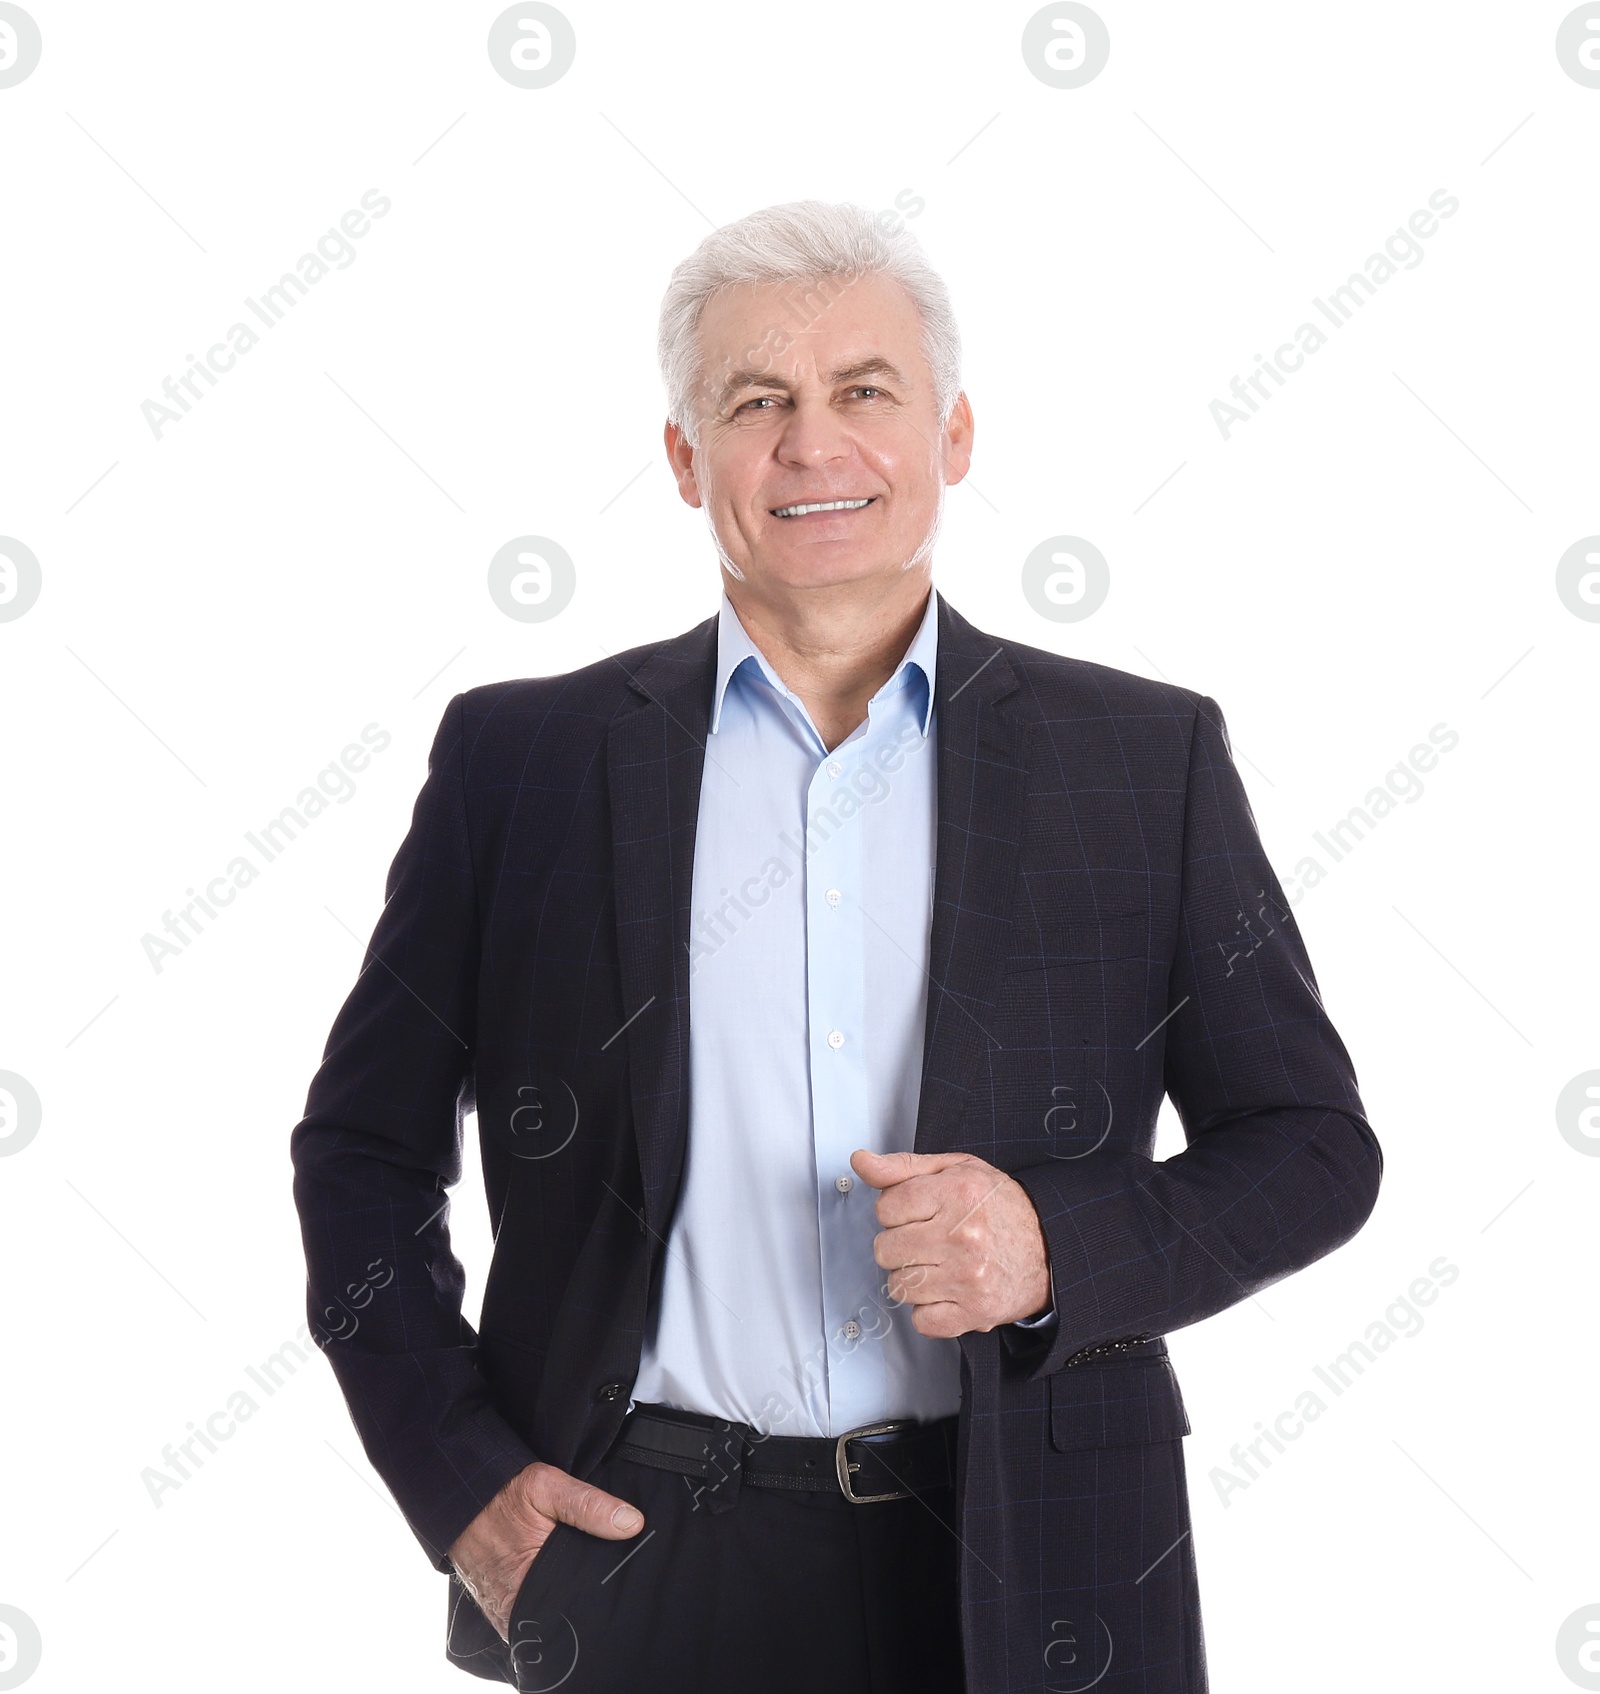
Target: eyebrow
[[853, 372]]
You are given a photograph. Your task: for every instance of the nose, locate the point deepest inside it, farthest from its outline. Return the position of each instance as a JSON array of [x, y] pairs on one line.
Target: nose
[[813, 434]]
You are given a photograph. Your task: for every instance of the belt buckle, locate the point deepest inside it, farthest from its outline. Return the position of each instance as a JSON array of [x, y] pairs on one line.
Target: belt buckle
[[844, 1467]]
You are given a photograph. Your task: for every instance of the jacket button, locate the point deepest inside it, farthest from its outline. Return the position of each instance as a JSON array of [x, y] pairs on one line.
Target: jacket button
[[611, 1391]]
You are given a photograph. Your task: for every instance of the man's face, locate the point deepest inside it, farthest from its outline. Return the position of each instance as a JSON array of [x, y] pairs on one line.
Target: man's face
[[842, 409]]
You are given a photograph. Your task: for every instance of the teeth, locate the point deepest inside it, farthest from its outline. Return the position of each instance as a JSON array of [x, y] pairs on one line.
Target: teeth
[[823, 506]]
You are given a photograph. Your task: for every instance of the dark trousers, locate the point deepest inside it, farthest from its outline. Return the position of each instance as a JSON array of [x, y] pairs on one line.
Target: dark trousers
[[784, 1593]]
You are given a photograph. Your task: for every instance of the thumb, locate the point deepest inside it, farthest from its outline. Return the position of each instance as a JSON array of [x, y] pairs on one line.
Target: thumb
[[591, 1509], [884, 1170]]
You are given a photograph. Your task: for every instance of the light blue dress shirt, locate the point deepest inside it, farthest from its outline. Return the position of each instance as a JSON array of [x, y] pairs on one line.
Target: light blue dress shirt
[[811, 905]]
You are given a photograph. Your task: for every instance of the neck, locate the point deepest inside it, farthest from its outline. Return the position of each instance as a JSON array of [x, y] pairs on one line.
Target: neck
[[834, 649]]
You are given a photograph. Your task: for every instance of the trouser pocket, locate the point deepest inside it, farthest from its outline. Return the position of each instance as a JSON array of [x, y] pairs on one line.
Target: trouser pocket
[[544, 1642]]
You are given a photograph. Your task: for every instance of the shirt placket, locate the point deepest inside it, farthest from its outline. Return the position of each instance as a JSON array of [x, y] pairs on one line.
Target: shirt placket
[[836, 995], [857, 1313]]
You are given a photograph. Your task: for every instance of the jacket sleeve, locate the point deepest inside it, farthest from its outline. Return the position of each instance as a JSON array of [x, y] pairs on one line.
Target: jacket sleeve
[[1280, 1165], [373, 1157]]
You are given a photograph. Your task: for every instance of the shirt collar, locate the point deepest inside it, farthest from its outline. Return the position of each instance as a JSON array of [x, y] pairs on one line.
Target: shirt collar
[[916, 668]]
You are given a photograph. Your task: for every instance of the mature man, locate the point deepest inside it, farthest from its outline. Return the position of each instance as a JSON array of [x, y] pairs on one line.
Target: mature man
[[816, 976]]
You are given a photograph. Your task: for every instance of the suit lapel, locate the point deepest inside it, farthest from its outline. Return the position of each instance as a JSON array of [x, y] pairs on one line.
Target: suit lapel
[[982, 782], [654, 756]]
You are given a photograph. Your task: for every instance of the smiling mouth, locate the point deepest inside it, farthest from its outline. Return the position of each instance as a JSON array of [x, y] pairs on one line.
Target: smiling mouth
[[822, 506]]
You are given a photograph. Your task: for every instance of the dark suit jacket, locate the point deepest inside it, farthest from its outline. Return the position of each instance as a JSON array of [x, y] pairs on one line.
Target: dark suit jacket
[[1105, 929]]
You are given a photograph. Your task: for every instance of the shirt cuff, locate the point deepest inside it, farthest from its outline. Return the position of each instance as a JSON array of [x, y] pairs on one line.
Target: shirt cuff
[[1035, 1323], [1047, 1317]]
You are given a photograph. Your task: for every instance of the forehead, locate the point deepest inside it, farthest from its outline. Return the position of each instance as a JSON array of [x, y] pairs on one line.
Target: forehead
[[809, 319]]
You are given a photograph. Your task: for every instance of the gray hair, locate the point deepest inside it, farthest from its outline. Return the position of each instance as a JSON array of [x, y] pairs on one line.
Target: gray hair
[[801, 241]]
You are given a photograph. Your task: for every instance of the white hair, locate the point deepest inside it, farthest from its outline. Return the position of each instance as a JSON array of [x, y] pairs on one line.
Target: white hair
[[801, 241]]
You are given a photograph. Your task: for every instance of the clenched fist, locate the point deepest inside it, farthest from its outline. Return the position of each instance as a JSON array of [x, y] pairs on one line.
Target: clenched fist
[[960, 1240], [493, 1553]]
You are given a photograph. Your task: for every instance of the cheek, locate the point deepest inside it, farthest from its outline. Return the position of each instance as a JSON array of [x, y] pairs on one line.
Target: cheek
[[906, 466], [737, 481], [917, 496], [721, 491]]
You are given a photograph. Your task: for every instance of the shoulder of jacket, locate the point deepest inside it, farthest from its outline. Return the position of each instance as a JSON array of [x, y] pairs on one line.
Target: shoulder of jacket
[[595, 690], [564, 716], [1056, 682]]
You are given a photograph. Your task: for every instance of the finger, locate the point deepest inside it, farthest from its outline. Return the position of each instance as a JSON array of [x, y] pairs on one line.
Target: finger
[[883, 1170], [912, 1288], [916, 1199], [921, 1243], [589, 1508], [956, 1195], [919, 1285], [944, 1320]]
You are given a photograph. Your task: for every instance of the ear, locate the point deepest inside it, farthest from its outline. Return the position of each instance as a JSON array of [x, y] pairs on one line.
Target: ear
[[680, 455], [958, 432]]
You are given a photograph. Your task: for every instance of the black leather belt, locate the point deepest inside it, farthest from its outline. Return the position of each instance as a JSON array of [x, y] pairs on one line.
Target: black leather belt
[[893, 1460]]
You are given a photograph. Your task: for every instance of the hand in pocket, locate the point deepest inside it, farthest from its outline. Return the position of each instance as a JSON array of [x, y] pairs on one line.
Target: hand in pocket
[[493, 1554]]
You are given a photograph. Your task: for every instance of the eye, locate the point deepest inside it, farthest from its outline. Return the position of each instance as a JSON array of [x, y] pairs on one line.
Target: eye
[[760, 399], [866, 389]]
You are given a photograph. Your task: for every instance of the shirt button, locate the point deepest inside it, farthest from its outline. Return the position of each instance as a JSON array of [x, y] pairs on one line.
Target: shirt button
[[833, 896], [851, 1329], [836, 1039], [834, 768], [844, 1183]]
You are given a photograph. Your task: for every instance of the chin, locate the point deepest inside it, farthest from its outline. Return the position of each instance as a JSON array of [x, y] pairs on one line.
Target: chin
[[816, 569]]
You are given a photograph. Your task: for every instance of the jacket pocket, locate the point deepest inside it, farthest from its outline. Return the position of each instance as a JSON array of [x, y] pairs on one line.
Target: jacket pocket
[[1125, 1403]]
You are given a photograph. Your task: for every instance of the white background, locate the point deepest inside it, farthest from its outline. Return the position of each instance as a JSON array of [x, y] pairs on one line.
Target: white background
[[305, 553]]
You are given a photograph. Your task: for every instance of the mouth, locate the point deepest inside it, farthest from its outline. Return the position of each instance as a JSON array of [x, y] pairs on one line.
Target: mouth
[[813, 507]]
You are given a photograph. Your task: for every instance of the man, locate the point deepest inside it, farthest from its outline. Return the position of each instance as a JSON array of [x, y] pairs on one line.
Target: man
[[816, 977]]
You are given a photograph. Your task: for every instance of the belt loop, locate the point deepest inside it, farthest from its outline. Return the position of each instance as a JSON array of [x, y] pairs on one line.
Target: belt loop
[[725, 1449]]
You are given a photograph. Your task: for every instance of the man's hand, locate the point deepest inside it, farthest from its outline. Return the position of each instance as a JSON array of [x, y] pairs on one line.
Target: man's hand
[[961, 1240], [493, 1553]]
